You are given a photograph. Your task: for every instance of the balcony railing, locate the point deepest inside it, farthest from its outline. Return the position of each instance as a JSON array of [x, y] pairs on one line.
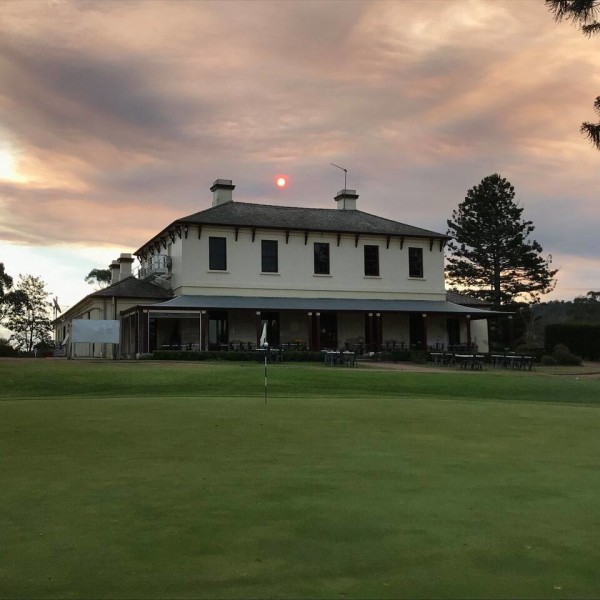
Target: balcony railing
[[155, 266]]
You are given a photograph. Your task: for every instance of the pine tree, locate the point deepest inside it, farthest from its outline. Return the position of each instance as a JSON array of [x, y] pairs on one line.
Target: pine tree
[[490, 254], [585, 14]]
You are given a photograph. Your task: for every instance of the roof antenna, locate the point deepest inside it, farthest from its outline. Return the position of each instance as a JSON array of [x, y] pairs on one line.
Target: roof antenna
[[345, 172]]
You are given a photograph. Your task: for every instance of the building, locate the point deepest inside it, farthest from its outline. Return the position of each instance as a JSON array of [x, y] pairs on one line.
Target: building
[[124, 292], [316, 278]]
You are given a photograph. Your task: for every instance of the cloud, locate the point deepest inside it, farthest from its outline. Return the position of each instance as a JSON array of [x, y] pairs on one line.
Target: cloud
[[120, 115]]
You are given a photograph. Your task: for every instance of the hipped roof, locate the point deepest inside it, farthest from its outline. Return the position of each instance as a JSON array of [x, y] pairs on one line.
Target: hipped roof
[[243, 214], [130, 287]]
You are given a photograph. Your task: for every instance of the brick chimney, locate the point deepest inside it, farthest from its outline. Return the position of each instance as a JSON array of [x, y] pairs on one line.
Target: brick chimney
[[222, 190], [124, 261], [114, 267], [346, 199]]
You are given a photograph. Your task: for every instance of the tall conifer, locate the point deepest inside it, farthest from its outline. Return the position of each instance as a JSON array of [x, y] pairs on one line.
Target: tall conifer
[[491, 256]]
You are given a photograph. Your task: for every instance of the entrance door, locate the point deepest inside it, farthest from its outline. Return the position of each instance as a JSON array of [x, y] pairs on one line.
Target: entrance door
[[417, 331], [373, 332], [328, 333], [453, 332], [218, 336]]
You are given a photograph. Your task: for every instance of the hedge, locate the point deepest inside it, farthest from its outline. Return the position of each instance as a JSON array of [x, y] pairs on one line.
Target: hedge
[[289, 356], [581, 339]]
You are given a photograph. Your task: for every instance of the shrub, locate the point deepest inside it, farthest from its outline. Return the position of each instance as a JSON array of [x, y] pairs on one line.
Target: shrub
[[582, 339], [563, 356]]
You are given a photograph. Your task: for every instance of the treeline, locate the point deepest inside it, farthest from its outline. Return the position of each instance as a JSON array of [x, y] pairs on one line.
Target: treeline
[[572, 323]]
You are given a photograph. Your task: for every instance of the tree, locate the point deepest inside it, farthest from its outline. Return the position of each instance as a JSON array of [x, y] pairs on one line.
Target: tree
[[6, 282], [27, 313], [99, 278], [490, 254], [584, 14], [586, 309]]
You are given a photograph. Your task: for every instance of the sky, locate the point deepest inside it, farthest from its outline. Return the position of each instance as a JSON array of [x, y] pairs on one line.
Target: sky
[[117, 116]]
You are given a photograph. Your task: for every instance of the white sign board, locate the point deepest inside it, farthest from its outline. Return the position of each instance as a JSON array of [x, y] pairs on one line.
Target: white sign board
[[95, 331]]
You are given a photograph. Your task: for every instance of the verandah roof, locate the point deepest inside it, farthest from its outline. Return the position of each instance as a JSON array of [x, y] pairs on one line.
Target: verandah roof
[[192, 302]]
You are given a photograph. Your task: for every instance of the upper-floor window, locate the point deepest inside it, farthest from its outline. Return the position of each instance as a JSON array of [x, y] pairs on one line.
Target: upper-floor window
[[415, 262], [269, 256], [217, 253], [372, 261], [321, 258]]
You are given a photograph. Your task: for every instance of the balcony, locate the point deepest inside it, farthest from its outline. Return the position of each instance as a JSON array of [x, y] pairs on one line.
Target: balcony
[[156, 266]]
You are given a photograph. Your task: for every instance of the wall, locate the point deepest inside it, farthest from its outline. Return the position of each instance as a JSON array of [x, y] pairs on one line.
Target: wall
[[92, 308], [295, 277]]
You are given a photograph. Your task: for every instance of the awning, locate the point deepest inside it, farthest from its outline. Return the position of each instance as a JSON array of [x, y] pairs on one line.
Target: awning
[[319, 304]]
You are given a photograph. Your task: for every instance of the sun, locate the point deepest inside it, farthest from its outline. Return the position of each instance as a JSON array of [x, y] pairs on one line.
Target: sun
[[281, 181], [8, 167]]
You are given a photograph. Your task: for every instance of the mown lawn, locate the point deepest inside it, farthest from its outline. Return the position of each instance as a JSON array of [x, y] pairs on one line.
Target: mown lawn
[[148, 480]]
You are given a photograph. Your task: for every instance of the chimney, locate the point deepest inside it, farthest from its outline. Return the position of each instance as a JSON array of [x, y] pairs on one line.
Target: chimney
[[222, 190], [346, 199], [124, 261], [114, 271]]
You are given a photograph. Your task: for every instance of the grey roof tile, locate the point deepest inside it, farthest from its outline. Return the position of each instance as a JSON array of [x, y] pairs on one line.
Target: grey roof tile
[[313, 219], [131, 287], [244, 214]]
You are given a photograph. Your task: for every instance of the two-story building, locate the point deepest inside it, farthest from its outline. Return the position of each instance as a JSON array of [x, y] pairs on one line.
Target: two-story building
[[317, 278]]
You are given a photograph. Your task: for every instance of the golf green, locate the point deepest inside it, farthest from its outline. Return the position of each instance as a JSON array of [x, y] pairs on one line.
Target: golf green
[[154, 480]]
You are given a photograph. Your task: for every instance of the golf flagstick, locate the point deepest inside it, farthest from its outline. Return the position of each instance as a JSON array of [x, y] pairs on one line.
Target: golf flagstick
[[265, 346], [266, 376]]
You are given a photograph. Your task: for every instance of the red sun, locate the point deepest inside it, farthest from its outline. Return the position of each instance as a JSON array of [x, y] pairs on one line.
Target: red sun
[[281, 181]]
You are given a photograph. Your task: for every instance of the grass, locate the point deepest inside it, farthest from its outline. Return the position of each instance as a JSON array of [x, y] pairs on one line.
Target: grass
[[161, 480]]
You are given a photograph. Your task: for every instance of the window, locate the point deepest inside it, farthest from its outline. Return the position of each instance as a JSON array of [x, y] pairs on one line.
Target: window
[[321, 258], [217, 253], [269, 256], [372, 261], [415, 262]]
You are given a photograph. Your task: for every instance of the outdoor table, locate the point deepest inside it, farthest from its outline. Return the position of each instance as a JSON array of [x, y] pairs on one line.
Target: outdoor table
[[470, 361], [349, 359], [336, 358], [272, 354], [517, 362], [437, 359], [529, 363], [498, 360], [442, 359]]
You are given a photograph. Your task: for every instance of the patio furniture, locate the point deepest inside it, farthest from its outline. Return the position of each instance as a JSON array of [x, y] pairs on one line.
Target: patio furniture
[[442, 359], [470, 361]]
